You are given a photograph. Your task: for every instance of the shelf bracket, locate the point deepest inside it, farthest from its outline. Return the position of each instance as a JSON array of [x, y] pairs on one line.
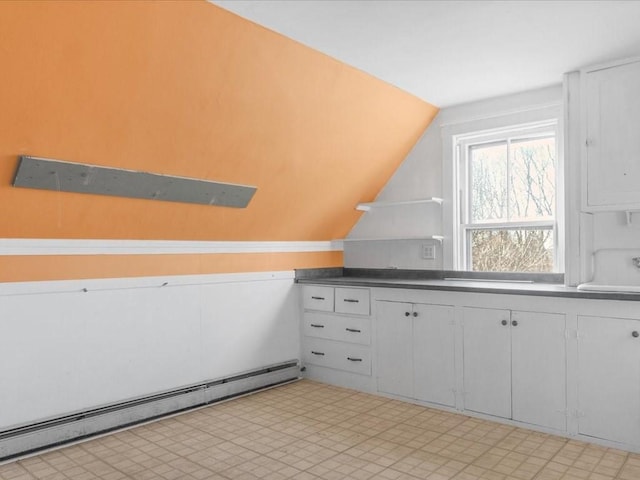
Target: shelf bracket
[[629, 214]]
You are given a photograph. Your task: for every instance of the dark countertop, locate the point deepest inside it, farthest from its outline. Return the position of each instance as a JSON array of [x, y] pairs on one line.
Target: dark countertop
[[435, 280]]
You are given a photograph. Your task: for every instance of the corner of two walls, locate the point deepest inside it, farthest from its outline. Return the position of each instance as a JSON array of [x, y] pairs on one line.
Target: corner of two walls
[[400, 228], [424, 174]]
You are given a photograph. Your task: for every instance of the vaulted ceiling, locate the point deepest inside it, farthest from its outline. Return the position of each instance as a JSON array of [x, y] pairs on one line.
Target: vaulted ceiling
[[450, 52]]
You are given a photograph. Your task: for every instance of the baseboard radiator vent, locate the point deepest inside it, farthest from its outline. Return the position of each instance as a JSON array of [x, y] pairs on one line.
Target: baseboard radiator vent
[[53, 432]]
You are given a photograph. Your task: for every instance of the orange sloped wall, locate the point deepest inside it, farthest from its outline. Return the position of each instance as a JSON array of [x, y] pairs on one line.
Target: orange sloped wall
[[187, 88]]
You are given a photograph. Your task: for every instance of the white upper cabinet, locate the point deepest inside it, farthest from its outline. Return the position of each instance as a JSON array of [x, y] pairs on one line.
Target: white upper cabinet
[[611, 143]]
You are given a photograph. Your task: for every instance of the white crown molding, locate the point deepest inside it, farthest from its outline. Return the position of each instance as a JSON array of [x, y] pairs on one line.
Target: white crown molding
[[38, 246]]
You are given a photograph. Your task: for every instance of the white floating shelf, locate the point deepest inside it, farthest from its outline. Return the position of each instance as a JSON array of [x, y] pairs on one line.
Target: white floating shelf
[[438, 238], [365, 207]]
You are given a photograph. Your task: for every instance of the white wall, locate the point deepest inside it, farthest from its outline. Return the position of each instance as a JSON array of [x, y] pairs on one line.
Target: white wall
[[63, 349], [610, 230], [426, 172]]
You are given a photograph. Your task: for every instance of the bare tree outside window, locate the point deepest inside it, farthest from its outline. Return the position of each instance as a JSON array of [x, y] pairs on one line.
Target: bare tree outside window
[[511, 205]]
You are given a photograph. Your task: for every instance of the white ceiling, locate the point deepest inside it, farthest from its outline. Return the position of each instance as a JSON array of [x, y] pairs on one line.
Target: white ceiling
[[451, 52]]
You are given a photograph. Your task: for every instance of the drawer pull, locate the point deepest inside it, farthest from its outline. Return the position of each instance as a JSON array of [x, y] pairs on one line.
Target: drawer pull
[[317, 298], [351, 300], [318, 353], [315, 325], [354, 330], [353, 359]]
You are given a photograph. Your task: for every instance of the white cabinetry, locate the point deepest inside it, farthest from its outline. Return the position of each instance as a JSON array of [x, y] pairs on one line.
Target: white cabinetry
[[609, 378], [515, 365], [487, 361], [416, 351], [336, 330], [611, 110], [569, 366]]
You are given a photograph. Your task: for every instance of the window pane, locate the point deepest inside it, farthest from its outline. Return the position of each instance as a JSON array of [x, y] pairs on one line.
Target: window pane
[[488, 182], [532, 179], [511, 250]]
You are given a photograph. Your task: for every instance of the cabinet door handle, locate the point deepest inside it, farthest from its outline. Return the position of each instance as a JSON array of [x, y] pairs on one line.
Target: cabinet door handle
[[317, 298], [635, 334], [351, 300], [415, 314], [321, 354], [504, 322], [354, 330], [315, 325], [352, 359], [406, 314], [514, 323]]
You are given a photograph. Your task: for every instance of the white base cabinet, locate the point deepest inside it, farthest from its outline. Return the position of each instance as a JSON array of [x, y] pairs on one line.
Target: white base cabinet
[[394, 333], [565, 366], [539, 369], [336, 334], [434, 374], [487, 361], [609, 378], [416, 351], [515, 365]]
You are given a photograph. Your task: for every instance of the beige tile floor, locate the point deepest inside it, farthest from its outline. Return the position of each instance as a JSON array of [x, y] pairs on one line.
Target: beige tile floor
[[307, 430]]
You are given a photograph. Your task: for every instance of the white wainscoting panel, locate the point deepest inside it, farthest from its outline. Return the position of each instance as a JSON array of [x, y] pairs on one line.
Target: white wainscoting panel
[[64, 350]]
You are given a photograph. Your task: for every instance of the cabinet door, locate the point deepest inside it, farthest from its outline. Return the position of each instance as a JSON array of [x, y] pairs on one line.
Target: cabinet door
[[487, 361], [434, 354], [613, 143], [609, 378], [538, 363], [394, 348]]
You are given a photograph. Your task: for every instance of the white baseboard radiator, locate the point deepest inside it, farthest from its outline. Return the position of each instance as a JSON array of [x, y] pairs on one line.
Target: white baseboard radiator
[[53, 432]]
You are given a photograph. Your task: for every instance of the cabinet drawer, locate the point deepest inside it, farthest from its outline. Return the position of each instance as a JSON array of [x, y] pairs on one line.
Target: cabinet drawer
[[338, 355], [317, 298], [352, 300], [333, 327]]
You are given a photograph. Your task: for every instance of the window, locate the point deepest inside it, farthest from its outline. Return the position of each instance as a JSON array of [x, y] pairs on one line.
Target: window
[[507, 184]]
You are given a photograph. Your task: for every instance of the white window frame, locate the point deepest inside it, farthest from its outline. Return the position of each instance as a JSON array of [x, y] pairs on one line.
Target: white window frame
[[453, 132], [466, 225]]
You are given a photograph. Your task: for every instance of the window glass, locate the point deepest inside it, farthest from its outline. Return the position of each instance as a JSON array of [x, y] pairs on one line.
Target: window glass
[[516, 250], [508, 193], [532, 179], [488, 181]]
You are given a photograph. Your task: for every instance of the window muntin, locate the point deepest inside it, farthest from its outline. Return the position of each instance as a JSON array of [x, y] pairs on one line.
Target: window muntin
[[508, 193]]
